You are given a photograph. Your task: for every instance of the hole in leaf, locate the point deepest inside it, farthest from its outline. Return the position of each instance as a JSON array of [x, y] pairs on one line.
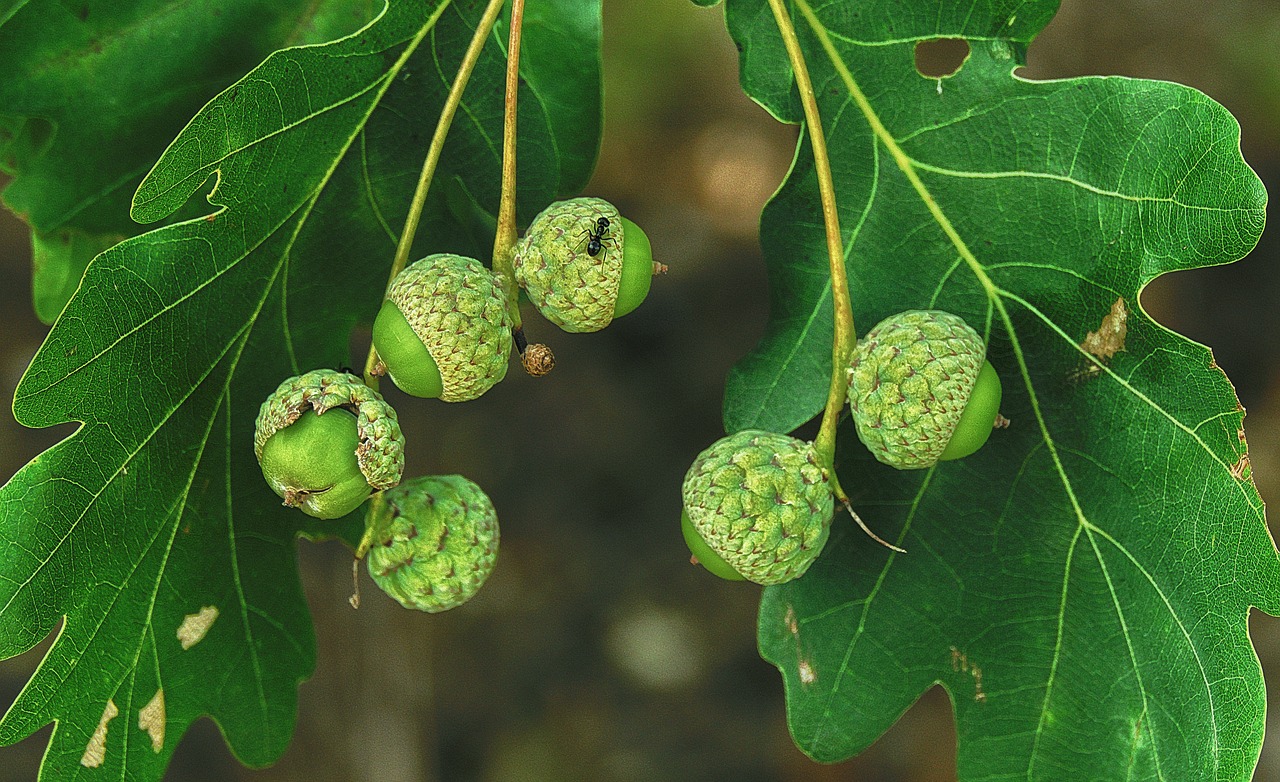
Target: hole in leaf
[[941, 57]]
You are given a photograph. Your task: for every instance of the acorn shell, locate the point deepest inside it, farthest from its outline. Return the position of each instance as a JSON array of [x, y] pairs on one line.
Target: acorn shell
[[762, 502], [434, 542], [910, 379], [380, 453], [571, 288], [456, 307]]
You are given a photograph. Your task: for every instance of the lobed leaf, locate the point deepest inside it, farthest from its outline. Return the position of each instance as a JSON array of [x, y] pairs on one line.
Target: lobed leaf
[[152, 522], [95, 92], [1081, 586]]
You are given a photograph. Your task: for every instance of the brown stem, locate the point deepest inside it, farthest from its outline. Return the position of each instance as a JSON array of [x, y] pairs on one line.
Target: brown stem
[[504, 243]]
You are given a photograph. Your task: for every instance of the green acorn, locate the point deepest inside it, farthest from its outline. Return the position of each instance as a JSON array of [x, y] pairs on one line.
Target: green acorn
[[757, 506], [444, 330], [583, 264], [433, 542], [921, 390], [325, 441]]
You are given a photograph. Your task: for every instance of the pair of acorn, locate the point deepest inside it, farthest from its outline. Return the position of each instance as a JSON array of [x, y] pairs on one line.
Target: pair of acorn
[[445, 330], [758, 505], [326, 441]]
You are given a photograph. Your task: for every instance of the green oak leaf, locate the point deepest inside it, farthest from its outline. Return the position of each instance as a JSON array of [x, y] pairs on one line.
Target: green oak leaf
[[94, 93], [152, 522], [1081, 586], [8, 8]]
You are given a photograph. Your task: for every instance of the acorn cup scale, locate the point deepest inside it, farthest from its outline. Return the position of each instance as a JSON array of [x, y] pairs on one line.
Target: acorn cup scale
[[583, 264], [325, 441], [761, 503], [444, 330], [433, 542], [921, 390]]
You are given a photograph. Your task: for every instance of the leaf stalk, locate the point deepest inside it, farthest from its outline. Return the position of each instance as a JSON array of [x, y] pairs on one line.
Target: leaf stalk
[[405, 245], [504, 242], [845, 337]]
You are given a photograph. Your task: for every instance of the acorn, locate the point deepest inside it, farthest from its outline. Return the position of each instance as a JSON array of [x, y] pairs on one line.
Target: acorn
[[325, 441], [434, 542], [584, 264], [921, 390], [444, 330], [757, 506]]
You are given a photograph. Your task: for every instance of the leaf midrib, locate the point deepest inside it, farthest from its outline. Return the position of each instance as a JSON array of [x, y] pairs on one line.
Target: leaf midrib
[[995, 297]]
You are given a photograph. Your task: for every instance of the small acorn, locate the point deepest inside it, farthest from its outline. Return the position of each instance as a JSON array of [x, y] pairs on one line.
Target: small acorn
[[325, 441], [921, 390], [444, 330], [583, 264], [434, 542], [757, 506]]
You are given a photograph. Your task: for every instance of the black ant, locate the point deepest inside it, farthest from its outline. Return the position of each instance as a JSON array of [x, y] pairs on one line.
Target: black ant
[[596, 237]]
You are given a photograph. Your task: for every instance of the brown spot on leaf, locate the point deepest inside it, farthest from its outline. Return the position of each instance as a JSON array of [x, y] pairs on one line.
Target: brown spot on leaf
[[96, 751], [194, 626], [1108, 340], [152, 720], [804, 666], [807, 674], [960, 663], [1241, 470], [1104, 343]]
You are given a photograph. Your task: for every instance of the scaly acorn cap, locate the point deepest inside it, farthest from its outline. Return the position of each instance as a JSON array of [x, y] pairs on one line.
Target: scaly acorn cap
[[578, 291], [434, 542], [457, 309], [762, 502], [380, 452], [910, 380]]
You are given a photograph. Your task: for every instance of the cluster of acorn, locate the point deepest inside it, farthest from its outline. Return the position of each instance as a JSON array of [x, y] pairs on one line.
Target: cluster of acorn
[[326, 441], [758, 505]]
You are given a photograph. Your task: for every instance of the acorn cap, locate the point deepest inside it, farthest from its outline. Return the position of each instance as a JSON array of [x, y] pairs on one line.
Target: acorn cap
[[456, 307], [910, 379], [434, 542], [762, 502], [571, 288], [380, 453]]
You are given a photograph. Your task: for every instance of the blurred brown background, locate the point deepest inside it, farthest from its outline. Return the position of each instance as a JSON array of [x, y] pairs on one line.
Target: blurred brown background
[[596, 652]]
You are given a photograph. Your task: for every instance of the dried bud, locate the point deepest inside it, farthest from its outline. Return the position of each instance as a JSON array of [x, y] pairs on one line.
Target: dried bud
[[538, 360]]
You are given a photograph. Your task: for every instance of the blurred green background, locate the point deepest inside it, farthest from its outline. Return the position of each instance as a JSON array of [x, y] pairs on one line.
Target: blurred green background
[[596, 652]]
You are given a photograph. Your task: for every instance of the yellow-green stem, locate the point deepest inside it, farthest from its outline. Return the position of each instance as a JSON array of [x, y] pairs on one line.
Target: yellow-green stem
[[900, 158], [504, 243], [994, 294], [411, 221], [845, 336]]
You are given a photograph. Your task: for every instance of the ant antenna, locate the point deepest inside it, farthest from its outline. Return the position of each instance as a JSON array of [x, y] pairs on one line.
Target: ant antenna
[[867, 530]]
